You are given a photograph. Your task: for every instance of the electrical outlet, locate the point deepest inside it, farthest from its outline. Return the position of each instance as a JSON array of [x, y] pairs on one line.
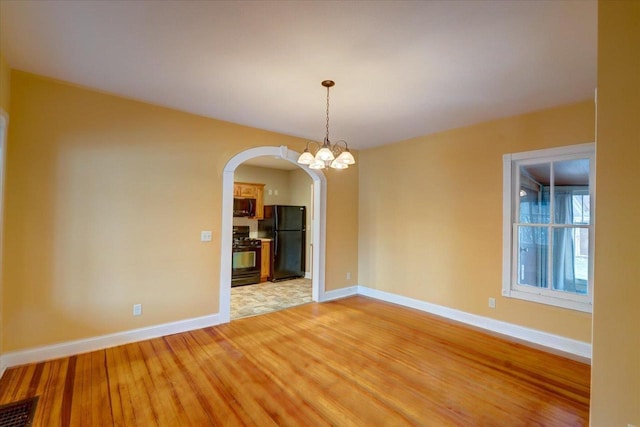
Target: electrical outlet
[[205, 236], [348, 276], [492, 303], [137, 309]]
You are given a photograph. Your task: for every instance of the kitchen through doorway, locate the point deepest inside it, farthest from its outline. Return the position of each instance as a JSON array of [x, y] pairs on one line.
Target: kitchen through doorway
[[273, 237]]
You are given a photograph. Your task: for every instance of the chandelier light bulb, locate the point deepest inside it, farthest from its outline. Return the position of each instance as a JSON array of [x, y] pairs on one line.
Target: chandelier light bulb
[[337, 164], [306, 158], [346, 157], [317, 164], [324, 154]]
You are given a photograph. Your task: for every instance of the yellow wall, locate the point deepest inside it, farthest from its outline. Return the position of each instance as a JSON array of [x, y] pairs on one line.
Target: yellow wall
[[105, 200], [5, 88], [431, 216], [342, 221], [5, 84], [615, 385]]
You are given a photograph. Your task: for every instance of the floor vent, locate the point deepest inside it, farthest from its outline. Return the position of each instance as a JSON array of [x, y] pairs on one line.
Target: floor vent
[[18, 414]]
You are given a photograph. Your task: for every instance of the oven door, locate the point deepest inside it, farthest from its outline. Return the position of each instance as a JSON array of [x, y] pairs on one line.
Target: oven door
[[245, 266]]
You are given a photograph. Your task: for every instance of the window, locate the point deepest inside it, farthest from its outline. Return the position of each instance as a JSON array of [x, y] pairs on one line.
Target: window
[[548, 226]]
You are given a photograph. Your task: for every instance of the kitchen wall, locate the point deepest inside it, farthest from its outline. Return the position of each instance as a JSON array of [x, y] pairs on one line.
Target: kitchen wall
[[430, 223], [274, 180], [105, 201], [615, 375], [251, 223]]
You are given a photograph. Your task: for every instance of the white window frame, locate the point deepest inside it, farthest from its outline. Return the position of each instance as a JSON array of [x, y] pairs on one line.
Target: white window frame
[[511, 193]]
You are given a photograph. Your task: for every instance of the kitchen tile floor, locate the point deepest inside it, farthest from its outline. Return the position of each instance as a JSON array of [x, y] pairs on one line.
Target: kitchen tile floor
[[251, 300]]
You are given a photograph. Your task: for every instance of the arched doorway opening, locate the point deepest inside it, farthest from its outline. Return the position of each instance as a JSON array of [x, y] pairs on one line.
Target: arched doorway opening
[[318, 215]]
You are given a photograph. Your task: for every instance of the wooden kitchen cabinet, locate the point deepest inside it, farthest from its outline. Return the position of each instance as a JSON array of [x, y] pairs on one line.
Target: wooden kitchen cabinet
[[259, 201], [245, 190], [265, 263], [250, 190]]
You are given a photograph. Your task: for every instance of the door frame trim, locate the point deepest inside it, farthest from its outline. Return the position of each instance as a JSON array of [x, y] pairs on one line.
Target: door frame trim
[[4, 124]]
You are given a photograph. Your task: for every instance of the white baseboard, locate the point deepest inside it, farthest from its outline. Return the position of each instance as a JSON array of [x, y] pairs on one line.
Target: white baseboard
[[577, 350], [70, 348], [339, 293], [307, 275]]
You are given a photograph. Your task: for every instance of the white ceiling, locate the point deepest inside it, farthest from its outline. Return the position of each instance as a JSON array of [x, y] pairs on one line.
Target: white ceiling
[[402, 68]]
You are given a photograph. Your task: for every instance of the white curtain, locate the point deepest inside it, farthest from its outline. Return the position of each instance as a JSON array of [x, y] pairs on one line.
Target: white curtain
[[563, 247]]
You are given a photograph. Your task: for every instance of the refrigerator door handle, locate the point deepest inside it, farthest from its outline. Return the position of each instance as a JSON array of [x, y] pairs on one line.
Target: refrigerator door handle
[[275, 243]]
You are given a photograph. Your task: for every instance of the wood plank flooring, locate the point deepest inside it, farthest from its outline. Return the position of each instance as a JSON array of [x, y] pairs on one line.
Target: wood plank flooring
[[351, 362]]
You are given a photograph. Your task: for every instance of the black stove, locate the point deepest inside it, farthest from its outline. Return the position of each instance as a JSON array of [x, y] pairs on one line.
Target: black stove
[[245, 266], [241, 238]]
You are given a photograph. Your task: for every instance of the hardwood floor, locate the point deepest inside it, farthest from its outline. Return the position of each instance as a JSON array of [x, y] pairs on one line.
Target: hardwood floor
[[351, 362]]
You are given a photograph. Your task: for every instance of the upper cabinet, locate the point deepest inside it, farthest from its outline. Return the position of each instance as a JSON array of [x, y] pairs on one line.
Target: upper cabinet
[[249, 190], [246, 190]]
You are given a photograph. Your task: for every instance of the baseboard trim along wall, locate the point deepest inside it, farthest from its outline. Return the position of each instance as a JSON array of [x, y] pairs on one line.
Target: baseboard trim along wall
[[577, 350], [70, 348], [339, 293]]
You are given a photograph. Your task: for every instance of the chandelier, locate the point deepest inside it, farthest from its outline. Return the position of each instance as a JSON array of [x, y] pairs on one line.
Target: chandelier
[[328, 155]]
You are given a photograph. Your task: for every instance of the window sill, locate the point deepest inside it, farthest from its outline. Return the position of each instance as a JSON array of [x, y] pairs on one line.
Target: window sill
[[585, 307]]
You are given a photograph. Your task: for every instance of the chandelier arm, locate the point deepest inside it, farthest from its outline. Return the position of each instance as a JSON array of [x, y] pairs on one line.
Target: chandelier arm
[[346, 146], [336, 149], [312, 142]]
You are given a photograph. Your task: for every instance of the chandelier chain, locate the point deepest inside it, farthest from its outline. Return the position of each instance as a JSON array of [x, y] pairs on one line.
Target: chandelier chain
[[327, 137]]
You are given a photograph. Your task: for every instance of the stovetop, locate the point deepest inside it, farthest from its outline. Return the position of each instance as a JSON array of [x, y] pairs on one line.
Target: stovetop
[[241, 237], [246, 242]]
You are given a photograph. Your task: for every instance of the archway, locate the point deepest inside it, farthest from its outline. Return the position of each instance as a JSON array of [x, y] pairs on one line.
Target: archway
[[319, 223]]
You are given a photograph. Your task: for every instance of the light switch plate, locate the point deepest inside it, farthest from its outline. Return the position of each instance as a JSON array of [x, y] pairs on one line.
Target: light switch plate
[[205, 236]]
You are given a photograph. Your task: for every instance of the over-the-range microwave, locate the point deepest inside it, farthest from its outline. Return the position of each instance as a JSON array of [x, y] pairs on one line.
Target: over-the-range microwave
[[244, 207]]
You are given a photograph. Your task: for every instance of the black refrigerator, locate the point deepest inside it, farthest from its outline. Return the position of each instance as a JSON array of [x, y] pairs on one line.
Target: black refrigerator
[[285, 225]]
